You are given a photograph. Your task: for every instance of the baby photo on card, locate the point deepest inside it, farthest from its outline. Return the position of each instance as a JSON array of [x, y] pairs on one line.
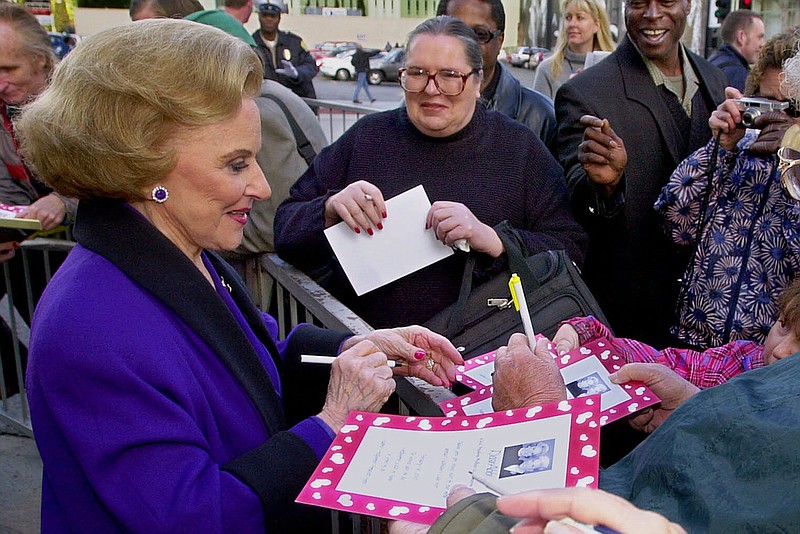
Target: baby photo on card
[[527, 458], [402, 467]]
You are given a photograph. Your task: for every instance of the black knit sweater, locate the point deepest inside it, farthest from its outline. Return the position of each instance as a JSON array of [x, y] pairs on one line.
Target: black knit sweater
[[496, 167]]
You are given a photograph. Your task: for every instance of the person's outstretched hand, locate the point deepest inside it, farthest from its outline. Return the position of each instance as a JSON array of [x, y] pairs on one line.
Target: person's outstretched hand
[[566, 339], [524, 378], [670, 388], [588, 506], [602, 153], [426, 354], [287, 69]]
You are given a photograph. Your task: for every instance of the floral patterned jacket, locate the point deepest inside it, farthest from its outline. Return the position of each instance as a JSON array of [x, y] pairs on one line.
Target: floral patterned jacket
[[749, 250]]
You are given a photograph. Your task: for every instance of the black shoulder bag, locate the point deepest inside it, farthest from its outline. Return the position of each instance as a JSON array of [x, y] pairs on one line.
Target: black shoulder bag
[[484, 317]]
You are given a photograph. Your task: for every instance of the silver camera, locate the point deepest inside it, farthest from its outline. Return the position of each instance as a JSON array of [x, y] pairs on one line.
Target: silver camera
[[753, 107]]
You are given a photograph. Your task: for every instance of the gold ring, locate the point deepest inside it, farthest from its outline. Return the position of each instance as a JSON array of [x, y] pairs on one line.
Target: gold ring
[[430, 364]]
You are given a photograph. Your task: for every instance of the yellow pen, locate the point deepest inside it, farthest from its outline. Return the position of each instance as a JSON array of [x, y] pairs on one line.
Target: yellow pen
[[518, 295]]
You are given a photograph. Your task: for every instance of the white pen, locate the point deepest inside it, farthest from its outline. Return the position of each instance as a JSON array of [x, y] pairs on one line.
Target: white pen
[[328, 360], [486, 482], [515, 285]]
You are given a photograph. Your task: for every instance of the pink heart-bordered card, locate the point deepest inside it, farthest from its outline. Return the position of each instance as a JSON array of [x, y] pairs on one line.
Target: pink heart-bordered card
[[585, 371], [401, 467]]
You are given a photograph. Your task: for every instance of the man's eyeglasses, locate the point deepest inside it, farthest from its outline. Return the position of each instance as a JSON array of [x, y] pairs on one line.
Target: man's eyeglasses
[[448, 82], [483, 36], [787, 160]]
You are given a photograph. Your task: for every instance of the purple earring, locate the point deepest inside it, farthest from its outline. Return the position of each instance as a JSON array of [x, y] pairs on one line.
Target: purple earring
[[160, 194]]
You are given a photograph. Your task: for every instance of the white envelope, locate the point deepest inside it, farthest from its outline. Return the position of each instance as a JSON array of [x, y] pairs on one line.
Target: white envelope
[[403, 246]]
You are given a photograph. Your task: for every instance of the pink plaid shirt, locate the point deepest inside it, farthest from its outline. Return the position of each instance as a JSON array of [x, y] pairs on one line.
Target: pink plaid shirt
[[705, 369]]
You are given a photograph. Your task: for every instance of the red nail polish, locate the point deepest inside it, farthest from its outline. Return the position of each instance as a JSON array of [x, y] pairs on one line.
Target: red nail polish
[[369, 231], [383, 213], [358, 230], [380, 226], [420, 354]]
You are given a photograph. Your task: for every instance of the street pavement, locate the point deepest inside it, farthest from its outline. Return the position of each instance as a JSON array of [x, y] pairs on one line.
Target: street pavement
[[20, 465]]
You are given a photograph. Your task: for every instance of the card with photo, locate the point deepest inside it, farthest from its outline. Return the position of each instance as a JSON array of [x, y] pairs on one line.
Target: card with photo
[[585, 372], [402, 467]]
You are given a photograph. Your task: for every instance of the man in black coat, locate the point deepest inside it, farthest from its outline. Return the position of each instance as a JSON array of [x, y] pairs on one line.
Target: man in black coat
[[624, 125], [286, 59]]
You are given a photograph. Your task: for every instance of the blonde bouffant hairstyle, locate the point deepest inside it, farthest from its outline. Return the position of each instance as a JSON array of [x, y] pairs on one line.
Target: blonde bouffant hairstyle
[[104, 126]]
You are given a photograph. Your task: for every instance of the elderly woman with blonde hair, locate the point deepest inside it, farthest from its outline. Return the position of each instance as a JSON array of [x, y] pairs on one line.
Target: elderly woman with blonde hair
[[156, 387], [584, 29]]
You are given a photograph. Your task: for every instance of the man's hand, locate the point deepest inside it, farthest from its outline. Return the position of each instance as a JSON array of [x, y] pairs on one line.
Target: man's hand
[[602, 153], [287, 69], [670, 388], [524, 378]]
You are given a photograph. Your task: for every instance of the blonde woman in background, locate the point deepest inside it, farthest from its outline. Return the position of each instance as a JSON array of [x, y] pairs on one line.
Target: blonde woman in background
[[584, 29]]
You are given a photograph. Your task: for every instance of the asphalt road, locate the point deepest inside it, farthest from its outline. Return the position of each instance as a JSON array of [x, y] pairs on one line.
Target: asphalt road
[[329, 89]]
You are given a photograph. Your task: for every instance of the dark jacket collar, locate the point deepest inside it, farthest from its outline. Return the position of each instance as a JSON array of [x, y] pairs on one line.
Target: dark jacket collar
[[639, 87], [124, 237], [507, 96]]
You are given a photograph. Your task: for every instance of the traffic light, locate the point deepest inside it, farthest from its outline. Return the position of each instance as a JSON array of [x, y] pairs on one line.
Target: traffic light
[[723, 8], [745, 4]]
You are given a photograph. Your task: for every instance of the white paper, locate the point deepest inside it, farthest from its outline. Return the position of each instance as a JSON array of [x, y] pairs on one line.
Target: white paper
[[403, 247], [392, 464]]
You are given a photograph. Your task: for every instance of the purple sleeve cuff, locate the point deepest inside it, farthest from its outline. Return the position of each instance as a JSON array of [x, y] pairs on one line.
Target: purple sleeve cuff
[[316, 433]]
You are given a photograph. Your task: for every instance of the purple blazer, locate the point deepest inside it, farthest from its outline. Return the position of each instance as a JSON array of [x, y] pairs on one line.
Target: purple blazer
[[156, 400]]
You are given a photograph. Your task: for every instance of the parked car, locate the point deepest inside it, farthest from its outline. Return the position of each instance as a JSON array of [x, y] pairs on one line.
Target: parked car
[[340, 67], [325, 48], [536, 56], [528, 57], [386, 67]]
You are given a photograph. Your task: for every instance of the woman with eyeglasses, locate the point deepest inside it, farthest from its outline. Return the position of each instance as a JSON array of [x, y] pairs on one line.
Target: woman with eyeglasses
[[481, 170], [737, 213], [584, 29]]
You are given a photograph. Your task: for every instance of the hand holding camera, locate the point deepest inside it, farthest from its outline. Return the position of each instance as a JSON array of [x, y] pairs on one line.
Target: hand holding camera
[[736, 113]]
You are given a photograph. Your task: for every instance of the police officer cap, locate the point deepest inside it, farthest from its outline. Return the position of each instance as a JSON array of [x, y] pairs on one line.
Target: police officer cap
[[275, 7]]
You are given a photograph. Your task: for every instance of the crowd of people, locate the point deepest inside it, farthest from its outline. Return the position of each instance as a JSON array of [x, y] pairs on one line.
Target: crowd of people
[[174, 405]]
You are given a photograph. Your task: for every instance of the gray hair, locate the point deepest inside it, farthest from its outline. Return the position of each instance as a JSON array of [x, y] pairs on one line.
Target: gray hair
[[31, 36], [791, 77], [452, 27]]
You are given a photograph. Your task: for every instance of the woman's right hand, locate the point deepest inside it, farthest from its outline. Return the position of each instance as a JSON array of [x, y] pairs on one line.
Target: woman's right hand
[[725, 118], [361, 379], [360, 205]]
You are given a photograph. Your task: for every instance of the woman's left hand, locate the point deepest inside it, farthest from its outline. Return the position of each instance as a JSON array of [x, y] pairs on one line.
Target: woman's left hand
[[452, 221], [426, 354]]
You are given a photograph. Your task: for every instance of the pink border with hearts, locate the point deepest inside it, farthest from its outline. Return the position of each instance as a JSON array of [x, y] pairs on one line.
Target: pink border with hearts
[[320, 490], [641, 395]]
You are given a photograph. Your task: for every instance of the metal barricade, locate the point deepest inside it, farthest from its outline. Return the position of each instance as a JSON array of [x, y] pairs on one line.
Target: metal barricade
[[336, 117], [24, 278], [297, 299]]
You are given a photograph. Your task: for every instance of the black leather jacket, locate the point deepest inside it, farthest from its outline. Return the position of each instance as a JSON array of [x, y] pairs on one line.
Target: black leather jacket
[[524, 105]]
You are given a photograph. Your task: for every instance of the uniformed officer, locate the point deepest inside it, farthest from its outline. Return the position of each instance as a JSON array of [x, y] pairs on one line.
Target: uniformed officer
[[285, 56]]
